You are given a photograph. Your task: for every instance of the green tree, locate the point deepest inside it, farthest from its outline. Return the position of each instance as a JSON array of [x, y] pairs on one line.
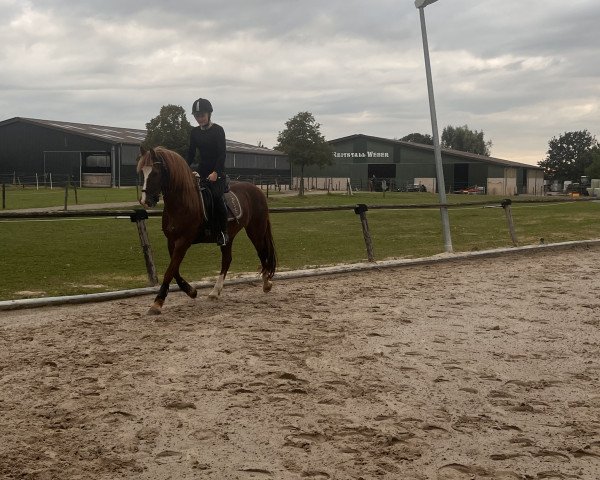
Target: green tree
[[170, 129], [465, 140], [593, 170], [569, 156], [424, 139], [302, 141]]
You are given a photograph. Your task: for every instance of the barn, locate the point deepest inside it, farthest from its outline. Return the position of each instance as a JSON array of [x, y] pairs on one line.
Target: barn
[[404, 165], [96, 155]]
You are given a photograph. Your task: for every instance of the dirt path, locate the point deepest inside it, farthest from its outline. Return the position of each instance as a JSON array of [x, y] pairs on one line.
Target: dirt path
[[484, 369]]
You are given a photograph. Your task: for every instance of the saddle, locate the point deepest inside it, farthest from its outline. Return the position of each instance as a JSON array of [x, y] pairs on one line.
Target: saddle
[[233, 207]]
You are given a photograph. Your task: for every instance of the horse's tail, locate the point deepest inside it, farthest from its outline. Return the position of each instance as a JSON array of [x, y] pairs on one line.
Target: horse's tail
[[268, 256]]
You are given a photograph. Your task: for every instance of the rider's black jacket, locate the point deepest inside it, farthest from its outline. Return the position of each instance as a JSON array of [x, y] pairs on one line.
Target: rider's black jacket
[[211, 145]]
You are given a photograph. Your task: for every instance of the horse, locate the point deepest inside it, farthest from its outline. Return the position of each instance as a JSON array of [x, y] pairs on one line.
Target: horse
[[184, 222]]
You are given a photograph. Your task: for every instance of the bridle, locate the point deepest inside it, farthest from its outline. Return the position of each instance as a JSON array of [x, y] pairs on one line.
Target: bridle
[[161, 163]]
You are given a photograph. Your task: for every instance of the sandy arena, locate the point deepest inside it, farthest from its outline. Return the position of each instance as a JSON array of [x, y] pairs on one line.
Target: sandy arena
[[483, 369]]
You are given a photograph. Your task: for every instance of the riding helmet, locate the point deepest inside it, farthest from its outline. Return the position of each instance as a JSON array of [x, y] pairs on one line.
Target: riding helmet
[[202, 105]]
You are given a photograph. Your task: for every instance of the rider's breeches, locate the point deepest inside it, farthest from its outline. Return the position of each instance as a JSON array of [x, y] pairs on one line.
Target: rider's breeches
[[218, 189]]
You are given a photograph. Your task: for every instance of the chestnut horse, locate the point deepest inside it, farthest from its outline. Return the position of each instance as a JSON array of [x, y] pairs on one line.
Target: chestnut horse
[[183, 222]]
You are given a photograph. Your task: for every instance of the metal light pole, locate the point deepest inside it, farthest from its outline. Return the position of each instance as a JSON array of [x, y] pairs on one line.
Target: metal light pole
[[441, 186]]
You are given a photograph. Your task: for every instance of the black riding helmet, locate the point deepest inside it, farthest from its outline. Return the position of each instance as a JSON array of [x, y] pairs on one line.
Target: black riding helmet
[[202, 105]]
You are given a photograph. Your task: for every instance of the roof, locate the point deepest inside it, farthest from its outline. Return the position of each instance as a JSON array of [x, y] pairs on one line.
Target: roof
[[446, 151], [132, 136], [239, 147], [112, 135]]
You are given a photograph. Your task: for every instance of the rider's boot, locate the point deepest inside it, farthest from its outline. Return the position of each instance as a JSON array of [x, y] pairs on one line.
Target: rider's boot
[[222, 237]]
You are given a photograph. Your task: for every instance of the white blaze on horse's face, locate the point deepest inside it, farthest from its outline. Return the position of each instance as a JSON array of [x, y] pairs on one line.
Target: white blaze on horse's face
[[146, 171]]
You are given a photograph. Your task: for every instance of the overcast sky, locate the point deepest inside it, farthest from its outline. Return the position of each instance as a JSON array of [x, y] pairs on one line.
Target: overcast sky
[[522, 71]]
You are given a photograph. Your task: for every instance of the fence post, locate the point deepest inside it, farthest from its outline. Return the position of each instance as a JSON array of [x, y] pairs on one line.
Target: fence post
[[66, 193], [361, 210], [139, 216], [74, 185], [511, 227], [3, 196]]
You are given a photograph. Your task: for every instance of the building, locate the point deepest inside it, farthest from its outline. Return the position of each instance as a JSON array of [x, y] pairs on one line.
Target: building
[[404, 165], [95, 155], [257, 164]]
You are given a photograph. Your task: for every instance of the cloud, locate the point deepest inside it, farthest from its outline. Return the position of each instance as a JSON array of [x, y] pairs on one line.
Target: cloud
[[522, 74]]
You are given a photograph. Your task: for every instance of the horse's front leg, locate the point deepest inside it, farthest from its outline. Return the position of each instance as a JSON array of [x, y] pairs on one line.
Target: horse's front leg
[[183, 285], [178, 252], [156, 307], [225, 262]]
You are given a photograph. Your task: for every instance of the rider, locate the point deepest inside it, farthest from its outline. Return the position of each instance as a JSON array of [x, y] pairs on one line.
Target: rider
[[209, 139]]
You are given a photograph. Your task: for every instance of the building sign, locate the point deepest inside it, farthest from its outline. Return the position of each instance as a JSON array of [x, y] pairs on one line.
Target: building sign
[[368, 154]]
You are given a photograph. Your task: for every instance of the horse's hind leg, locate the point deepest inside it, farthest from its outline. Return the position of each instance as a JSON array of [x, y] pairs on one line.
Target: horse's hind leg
[[225, 262], [267, 284], [262, 240]]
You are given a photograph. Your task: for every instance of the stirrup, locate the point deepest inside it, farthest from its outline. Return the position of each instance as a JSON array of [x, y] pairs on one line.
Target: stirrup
[[222, 239]]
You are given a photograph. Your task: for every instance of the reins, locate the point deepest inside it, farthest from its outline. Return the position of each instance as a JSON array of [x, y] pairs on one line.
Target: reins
[[173, 182]]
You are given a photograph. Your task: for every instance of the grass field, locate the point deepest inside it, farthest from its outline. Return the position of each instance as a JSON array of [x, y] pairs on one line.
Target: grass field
[[20, 198], [69, 256]]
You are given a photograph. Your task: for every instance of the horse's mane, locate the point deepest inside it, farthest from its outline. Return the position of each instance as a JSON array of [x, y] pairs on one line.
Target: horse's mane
[[181, 186]]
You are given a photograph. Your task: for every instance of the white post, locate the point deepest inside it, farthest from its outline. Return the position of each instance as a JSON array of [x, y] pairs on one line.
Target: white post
[[421, 4], [50, 180], [37, 183]]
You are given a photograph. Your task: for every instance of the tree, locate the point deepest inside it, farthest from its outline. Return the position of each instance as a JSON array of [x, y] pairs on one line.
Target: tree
[[465, 140], [593, 171], [302, 141], [169, 129], [569, 156], [424, 139]]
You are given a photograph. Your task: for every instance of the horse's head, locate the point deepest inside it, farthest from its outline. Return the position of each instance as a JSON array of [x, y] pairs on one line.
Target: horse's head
[[153, 168]]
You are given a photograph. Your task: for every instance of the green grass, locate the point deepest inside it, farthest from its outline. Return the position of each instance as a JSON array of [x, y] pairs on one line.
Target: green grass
[[71, 256], [373, 198], [19, 198]]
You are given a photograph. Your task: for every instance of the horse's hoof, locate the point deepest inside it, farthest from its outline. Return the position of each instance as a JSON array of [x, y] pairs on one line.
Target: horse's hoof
[[213, 296], [193, 293], [154, 311], [267, 287]]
